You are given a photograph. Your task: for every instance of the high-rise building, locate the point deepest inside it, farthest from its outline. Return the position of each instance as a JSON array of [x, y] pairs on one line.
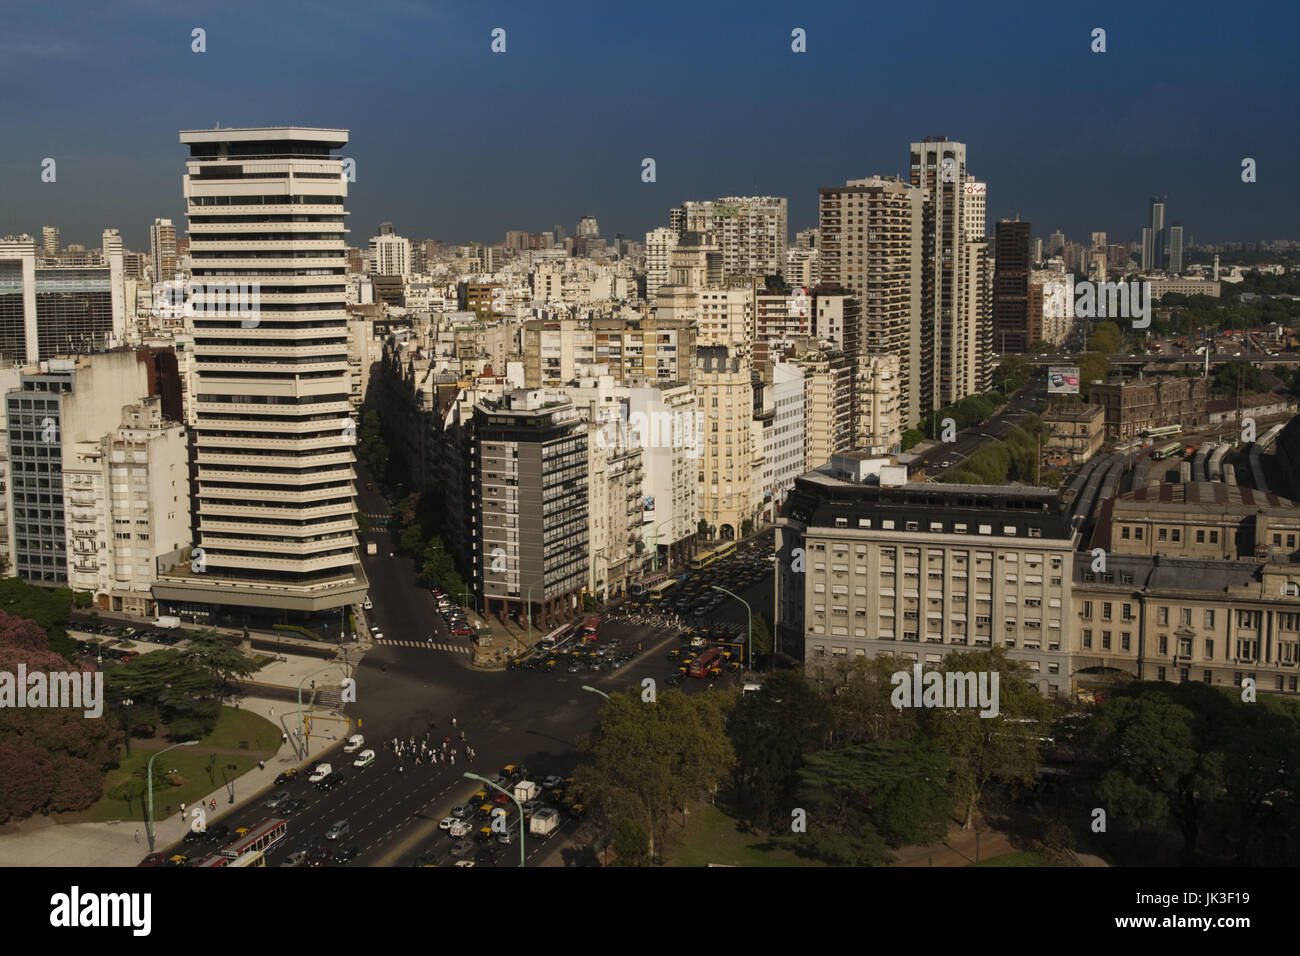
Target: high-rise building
[[1011, 286], [973, 206], [872, 237], [750, 230], [162, 249], [659, 245], [1154, 237], [390, 255], [50, 241], [1055, 243], [1038, 249], [276, 480], [1176, 249], [588, 228]]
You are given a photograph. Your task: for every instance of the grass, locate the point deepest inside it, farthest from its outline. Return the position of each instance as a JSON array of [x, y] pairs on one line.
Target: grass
[[191, 781], [713, 837], [1017, 858]]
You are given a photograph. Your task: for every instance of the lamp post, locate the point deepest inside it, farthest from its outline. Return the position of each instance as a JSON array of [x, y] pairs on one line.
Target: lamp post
[[749, 652], [530, 611], [149, 773], [126, 706], [474, 776], [301, 752], [594, 691], [655, 561]]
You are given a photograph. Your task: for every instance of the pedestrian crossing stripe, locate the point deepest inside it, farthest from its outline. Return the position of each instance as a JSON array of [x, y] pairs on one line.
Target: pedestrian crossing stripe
[[428, 645]]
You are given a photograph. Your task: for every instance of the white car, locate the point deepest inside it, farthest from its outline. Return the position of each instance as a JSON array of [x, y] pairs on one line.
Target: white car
[[461, 828], [464, 862], [446, 823], [368, 605], [320, 773], [354, 744], [364, 759]]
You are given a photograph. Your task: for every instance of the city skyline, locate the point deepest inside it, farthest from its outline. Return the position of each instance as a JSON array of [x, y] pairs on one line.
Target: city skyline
[[450, 177]]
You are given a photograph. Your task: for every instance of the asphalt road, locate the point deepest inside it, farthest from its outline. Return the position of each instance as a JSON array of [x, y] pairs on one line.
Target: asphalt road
[[1031, 399]]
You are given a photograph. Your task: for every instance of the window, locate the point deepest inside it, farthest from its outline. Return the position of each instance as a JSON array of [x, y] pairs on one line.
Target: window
[[1185, 617], [1175, 534], [1127, 611], [1105, 640], [1164, 644], [1105, 610], [1087, 638], [1137, 533], [1209, 620], [1200, 536], [1087, 610], [1162, 534], [1126, 640], [1123, 533], [1162, 616], [1214, 537], [1160, 673], [1207, 677], [1209, 649]]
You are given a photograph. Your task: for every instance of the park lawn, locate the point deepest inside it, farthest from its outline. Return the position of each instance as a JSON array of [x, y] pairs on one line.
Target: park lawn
[[192, 764], [1017, 858], [713, 837]]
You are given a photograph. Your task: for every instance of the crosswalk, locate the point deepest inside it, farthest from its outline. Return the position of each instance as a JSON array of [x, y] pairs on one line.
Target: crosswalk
[[376, 515], [426, 645]]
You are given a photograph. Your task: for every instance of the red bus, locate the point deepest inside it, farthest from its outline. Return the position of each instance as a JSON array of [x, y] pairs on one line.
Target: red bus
[[591, 628], [701, 666], [263, 837]]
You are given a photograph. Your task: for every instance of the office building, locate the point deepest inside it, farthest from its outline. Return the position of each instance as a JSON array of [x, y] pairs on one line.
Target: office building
[[50, 241], [750, 230], [659, 245], [274, 442], [1154, 238], [162, 250], [1175, 249], [1011, 286], [390, 255]]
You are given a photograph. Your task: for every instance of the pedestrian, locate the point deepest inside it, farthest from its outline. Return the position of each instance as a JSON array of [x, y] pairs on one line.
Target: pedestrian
[[213, 805], [284, 738], [182, 811], [137, 836], [453, 759], [453, 723], [462, 736], [272, 711], [261, 765]]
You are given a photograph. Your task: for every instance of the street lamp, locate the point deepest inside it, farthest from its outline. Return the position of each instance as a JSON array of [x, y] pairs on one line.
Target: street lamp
[[594, 691], [748, 611], [655, 561], [126, 705], [474, 776], [148, 819], [530, 612]]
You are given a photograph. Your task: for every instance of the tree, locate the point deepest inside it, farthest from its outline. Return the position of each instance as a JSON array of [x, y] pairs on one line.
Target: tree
[[1234, 377], [981, 749], [411, 540], [220, 657], [911, 437], [746, 528], [1093, 367], [761, 638], [1106, 338], [771, 732], [631, 844], [651, 758]]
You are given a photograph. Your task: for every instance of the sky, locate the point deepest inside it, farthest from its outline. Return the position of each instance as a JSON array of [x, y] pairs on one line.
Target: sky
[[455, 142]]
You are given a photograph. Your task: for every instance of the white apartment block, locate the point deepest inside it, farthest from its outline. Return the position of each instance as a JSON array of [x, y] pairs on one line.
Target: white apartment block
[[659, 244], [880, 424], [828, 403], [750, 230], [782, 435], [671, 468], [390, 256], [973, 210], [726, 317], [138, 479]]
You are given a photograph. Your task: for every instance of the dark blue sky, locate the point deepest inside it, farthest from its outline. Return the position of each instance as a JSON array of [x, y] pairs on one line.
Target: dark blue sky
[[455, 142]]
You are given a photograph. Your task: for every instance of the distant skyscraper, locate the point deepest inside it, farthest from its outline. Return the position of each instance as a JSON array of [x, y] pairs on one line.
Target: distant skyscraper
[[386, 229], [162, 249], [390, 255], [587, 228], [1055, 243], [1175, 249], [1038, 249], [659, 245], [751, 231], [677, 220], [559, 233], [50, 241], [973, 205], [1154, 238], [1011, 286]]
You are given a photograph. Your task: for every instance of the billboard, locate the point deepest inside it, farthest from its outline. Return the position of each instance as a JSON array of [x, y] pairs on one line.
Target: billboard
[[977, 189], [1063, 380]]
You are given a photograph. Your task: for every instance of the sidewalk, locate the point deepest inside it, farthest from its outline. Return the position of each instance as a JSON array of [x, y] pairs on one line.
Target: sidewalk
[[40, 841]]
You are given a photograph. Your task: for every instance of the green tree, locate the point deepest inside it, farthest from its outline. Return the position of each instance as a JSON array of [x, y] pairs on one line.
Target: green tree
[[649, 759], [220, 657], [981, 750], [1106, 338], [1093, 366], [1233, 377], [411, 540], [912, 436], [631, 844]]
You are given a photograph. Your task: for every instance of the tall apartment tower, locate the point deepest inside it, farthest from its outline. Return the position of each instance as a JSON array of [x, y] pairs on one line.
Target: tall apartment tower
[[751, 231], [390, 255], [162, 249], [275, 483], [1175, 249], [939, 165], [1055, 243], [1011, 286], [974, 196], [50, 241], [1153, 238], [659, 245]]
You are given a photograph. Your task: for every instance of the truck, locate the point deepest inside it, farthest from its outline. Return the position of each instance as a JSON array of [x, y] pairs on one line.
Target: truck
[[167, 621], [525, 790], [544, 823], [372, 547]]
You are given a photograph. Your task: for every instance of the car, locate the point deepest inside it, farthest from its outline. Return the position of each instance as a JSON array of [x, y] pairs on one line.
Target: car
[[551, 782], [500, 799], [355, 743], [318, 859], [484, 811], [461, 828], [286, 777], [320, 773], [331, 782], [195, 836], [446, 823], [531, 807], [462, 812], [488, 853], [577, 811], [464, 862], [290, 807], [277, 798], [219, 833], [368, 605], [462, 631], [338, 830], [378, 635], [296, 858], [462, 848], [505, 838], [364, 759], [374, 628], [153, 859]]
